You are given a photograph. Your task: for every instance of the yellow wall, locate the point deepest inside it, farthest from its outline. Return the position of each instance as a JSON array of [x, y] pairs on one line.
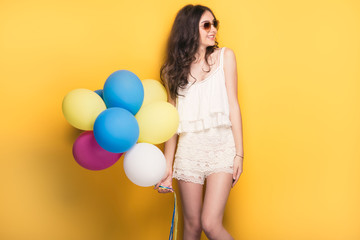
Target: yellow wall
[[299, 93]]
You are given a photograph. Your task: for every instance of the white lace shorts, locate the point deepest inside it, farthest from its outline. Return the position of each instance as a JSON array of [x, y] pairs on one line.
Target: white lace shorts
[[200, 154]]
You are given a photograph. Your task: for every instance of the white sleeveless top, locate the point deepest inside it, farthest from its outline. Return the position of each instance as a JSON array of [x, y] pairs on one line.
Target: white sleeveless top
[[205, 103]]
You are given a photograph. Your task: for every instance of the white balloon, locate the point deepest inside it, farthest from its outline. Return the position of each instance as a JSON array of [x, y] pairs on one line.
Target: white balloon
[[144, 164]]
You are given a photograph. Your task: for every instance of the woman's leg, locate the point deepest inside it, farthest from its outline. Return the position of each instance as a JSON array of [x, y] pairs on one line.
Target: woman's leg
[[218, 187], [191, 198]]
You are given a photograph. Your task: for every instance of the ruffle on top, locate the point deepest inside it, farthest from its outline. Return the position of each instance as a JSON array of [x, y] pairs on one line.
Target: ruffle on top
[[204, 104]]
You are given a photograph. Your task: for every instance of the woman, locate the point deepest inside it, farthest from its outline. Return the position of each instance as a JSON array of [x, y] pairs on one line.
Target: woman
[[201, 81]]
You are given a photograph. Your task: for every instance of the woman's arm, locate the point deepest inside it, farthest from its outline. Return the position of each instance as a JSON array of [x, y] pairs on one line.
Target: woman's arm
[[235, 113], [170, 145], [169, 153]]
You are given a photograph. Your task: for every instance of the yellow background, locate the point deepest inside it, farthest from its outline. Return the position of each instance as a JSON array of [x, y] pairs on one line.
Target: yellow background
[[299, 93]]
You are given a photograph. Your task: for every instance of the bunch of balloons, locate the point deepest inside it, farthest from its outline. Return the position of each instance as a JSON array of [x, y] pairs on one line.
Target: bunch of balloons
[[128, 116]]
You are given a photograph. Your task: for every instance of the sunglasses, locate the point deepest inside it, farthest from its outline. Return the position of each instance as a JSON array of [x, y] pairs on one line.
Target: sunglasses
[[207, 25]]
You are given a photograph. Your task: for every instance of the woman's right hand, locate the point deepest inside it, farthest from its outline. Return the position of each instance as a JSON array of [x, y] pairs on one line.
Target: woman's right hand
[[166, 181]]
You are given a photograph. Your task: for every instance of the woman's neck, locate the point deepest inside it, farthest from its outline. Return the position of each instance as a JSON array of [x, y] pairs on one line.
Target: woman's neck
[[200, 54]]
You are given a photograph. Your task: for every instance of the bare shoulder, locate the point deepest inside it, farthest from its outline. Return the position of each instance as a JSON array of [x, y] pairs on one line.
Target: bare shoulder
[[229, 56], [230, 73]]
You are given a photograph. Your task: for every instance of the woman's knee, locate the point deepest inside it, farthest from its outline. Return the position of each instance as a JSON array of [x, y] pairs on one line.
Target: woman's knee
[[210, 225], [192, 224]]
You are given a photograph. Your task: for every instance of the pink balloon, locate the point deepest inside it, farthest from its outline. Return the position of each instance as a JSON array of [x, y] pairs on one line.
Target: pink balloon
[[90, 155]]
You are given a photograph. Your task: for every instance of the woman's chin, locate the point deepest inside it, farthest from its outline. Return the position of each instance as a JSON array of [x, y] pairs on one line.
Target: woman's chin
[[208, 44], [212, 43]]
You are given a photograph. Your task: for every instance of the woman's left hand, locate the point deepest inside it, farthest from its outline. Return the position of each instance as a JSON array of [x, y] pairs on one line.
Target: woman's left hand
[[238, 169]]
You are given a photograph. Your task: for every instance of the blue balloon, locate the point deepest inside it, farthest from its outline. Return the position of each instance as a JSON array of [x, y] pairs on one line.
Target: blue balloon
[[100, 93], [116, 130], [123, 89]]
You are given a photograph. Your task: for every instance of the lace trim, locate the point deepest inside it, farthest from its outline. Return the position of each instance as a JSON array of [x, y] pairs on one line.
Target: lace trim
[[216, 120], [193, 179], [185, 175], [225, 170]]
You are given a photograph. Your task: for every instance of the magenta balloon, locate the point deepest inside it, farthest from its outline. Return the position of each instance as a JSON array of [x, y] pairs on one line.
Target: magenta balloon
[[90, 155]]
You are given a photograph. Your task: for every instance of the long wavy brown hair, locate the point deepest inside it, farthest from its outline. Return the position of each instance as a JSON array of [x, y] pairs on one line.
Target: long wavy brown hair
[[182, 46]]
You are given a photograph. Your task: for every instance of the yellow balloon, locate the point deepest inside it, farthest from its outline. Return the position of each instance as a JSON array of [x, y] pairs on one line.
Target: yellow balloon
[[153, 91], [81, 107], [158, 122]]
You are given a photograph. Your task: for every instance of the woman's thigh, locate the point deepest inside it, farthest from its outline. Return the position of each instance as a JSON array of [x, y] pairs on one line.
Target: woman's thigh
[[191, 197], [218, 186]]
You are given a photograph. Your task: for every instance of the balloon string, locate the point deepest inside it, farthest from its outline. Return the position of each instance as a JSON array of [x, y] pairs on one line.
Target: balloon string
[[174, 221]]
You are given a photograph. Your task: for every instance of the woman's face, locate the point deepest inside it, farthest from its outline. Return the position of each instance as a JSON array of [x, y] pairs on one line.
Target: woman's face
[[207, 38]]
